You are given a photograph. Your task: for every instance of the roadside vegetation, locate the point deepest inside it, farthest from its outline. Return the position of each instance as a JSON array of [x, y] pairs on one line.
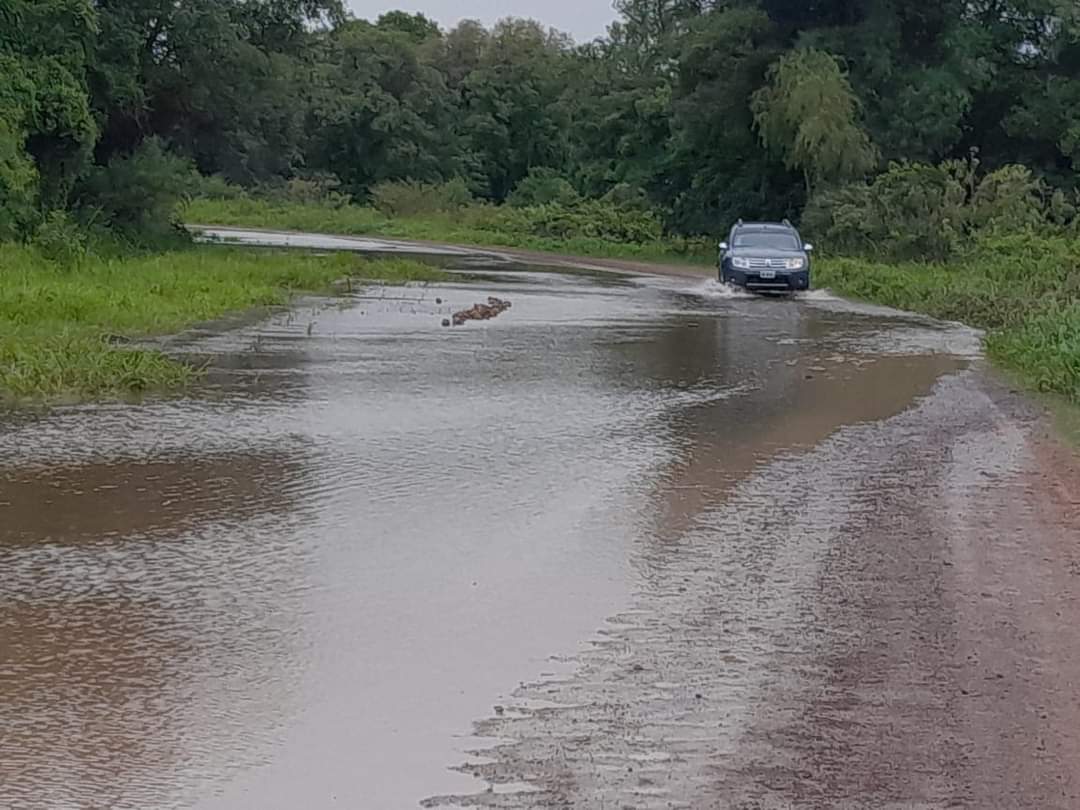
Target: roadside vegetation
[[998, 250], [934, 146], [66, 328], [1024, 290], [611, 227]]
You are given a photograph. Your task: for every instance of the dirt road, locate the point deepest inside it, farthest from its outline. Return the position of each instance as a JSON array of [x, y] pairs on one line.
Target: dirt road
[[665, 545], [894, 633]]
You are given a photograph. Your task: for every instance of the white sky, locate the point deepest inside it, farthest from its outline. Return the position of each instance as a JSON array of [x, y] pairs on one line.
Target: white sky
[[583, 19]]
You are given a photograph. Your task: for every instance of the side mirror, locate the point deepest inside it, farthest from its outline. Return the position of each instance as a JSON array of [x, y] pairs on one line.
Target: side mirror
[[808, 248], [723, 247]]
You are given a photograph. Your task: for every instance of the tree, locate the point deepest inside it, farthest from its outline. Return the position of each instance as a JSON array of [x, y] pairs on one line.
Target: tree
[[707, 109], [646, 34], [715, 168], [508, 114], [416, 26], [44, 103], [219, 80], [18, 184], [808, 112], [380, 113]]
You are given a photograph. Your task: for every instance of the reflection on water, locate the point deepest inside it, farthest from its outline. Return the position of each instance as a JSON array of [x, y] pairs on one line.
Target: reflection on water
[[69, 504], [299, 587]]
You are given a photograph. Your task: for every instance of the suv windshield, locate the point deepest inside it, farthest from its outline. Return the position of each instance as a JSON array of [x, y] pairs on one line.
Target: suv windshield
[[767, 239]]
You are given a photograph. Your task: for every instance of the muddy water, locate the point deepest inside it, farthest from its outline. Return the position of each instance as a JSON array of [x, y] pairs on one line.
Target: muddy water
[[301, 586]]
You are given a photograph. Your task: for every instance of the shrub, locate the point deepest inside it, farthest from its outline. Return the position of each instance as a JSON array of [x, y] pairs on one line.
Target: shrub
[[589, 219], [1062, 208], [316, 188], [136, 196], [626, 195], [542, 186], [928, 212], [60, 240], [1010, 198], [216, 187], [844, 218], [409, 198], [18, 185]]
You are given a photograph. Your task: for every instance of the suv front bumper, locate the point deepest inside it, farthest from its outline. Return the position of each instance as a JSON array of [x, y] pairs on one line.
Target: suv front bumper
[[782, 280]]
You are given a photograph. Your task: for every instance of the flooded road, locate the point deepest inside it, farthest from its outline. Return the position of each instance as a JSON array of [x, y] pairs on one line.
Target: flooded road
[[664, 545]]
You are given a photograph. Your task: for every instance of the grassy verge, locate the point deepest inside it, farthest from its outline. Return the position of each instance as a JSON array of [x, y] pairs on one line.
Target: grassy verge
[[477, 225], [1023, 289], [62, 330]]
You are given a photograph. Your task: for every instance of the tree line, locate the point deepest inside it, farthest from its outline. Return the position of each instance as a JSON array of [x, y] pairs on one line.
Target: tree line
[[705, 110]]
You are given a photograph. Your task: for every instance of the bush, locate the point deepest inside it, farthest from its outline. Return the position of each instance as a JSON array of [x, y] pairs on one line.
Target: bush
[[136, 196], [912, 211], [61, 240], [920, 211], [317, 189], [625, 195], [1009, 199], [589, 219], [216, 187], [18, 186], [843, 219], [410, 198], [541, 187], [324, 189]]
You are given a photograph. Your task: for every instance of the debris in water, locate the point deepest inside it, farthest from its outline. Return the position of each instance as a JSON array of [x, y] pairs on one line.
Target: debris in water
[[482, 312]]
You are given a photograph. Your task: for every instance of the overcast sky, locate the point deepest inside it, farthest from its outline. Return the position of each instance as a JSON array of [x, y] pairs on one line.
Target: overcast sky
[[583, 19]]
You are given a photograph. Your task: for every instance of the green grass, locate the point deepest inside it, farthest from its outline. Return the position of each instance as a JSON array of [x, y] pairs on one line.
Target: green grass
[[62, 330], [474, 225], [1023, 289]]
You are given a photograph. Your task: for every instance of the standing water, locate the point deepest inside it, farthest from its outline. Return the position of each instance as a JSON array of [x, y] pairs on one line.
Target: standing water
[[301, 585]]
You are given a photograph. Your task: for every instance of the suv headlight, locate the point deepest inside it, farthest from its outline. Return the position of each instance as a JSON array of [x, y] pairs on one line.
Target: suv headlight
[[742, 264], [795, 264]]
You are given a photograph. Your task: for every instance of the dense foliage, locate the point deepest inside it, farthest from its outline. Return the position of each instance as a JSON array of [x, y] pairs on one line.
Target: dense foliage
[[708, 109]]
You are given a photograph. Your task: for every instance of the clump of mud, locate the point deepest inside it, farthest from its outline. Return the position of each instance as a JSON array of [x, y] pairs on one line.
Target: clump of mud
[[481, 312]]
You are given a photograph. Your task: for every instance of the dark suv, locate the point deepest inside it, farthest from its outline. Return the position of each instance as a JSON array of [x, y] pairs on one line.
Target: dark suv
[[765, 256]]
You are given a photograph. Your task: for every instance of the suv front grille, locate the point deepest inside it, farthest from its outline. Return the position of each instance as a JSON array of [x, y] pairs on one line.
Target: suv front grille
[[768, 264]]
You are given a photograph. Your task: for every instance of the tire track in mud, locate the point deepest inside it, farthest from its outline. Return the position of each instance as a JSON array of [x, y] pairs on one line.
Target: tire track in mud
[[795, 648]]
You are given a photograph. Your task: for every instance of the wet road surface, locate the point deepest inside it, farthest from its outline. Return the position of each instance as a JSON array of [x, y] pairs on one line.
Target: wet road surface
[[663, 545]]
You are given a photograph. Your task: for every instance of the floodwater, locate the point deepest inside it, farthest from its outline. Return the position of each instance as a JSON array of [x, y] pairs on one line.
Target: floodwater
[[303, 584]]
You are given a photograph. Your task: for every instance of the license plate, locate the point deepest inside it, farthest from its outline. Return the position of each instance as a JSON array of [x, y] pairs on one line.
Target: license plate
[[768, 274]]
